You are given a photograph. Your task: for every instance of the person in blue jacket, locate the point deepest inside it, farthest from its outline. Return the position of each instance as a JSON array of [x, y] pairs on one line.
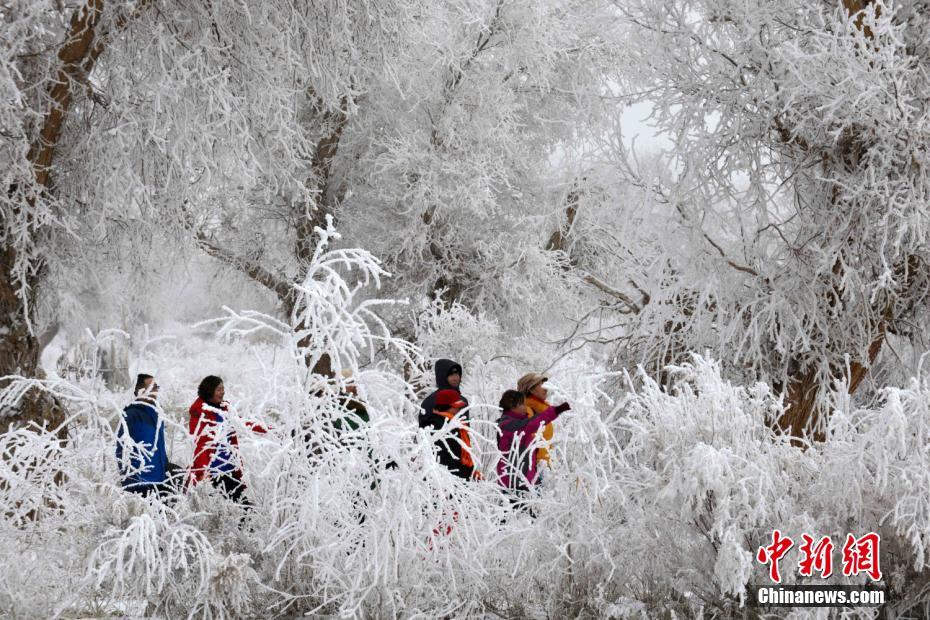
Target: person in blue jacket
[[149, 469]]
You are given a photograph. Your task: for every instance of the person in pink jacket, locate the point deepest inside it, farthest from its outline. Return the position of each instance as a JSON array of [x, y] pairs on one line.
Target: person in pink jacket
[[516, 469]]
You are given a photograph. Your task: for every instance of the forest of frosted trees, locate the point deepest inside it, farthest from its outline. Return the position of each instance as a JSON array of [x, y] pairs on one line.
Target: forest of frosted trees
[[706, 222]]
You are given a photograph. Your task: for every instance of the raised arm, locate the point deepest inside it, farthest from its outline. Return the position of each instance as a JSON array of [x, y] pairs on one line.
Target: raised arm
[[529, 426]]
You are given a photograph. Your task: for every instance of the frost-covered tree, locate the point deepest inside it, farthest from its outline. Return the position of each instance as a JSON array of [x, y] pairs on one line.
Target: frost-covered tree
[[796, 192], [444, 158], [461, 155], [122, 121], [280, 81], [47, 55]]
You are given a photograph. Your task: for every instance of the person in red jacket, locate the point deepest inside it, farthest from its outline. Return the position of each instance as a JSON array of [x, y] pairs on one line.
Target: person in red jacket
[[216, 449]]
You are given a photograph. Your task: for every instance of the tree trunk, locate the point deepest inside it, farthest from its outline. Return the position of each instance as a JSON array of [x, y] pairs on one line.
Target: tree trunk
[[322, 166], [306, 243], [19, 344], [19, 347], [804, 412], [322, 366]]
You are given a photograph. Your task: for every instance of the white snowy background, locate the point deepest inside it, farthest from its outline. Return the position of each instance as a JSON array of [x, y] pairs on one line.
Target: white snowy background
[[706, 221]]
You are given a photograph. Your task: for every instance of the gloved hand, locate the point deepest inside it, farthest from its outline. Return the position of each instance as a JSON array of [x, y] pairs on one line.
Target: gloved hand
[[562, 408]]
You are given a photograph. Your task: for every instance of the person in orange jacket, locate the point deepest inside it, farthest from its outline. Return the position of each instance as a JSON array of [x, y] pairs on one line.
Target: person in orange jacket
[[217, 446], [531, 385]]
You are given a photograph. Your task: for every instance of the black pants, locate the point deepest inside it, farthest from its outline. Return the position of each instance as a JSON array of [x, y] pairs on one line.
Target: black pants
[[232, 487], [517, 499]]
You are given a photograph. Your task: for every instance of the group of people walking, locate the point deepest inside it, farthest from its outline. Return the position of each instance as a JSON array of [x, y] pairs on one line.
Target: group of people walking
[[525, 431], [525, 428], [146, 469]]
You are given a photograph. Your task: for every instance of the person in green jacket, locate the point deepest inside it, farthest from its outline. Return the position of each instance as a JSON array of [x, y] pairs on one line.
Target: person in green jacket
[[356, 413], [356, 416]]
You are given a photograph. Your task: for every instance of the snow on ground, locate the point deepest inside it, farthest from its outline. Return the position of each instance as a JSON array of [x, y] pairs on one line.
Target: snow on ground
[[657, 493]]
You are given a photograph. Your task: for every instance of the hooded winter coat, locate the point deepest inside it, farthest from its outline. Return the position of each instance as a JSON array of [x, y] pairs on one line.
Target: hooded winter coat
[[454, 450], [517, 433], [450, 449], [141, 424], [443, 369]]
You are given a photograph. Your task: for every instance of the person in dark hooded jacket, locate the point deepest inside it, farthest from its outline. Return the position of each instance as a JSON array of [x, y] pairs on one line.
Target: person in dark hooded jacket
[[454, 446], [436, 412], [448, 377]]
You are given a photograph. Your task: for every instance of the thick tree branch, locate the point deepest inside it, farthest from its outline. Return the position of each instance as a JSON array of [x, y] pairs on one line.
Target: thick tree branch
[[558, 242], [276, 283], [322, 166], [729, 262], [631, 305], [77, 56]]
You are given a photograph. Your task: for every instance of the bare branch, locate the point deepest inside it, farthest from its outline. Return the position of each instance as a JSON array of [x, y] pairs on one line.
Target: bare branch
[[630, 304], [273, 282]]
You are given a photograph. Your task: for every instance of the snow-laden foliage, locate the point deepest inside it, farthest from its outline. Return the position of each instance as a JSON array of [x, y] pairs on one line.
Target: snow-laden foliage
[[132, 131], [691, 477], [787, 231], [472, 148], [435, 132], [451, 169]]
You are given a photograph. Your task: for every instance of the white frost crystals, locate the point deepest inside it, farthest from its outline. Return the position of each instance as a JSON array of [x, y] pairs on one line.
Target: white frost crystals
[[690, 477], [164, 162]]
